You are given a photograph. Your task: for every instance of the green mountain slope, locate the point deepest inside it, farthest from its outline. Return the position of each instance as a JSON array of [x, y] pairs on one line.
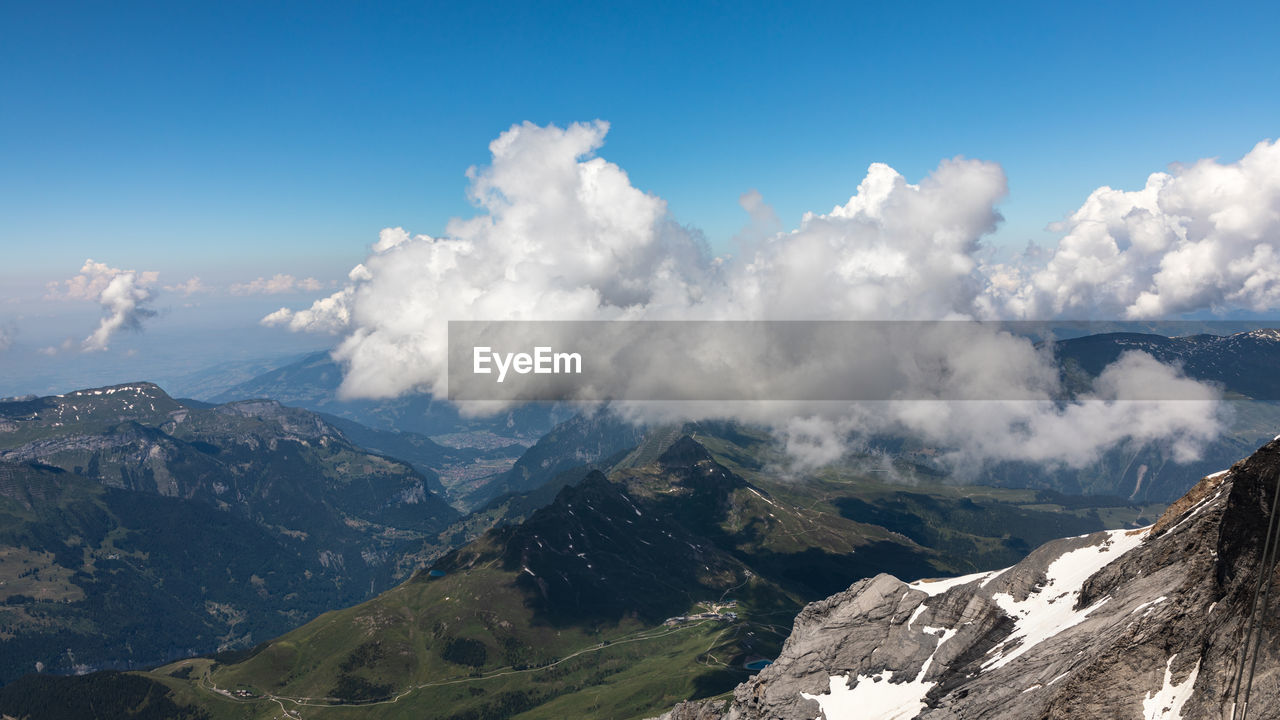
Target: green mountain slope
[[605, 561]]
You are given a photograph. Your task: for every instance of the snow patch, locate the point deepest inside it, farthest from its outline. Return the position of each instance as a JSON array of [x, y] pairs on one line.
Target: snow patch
[[1150, 605], [1167, 702], [937, 587], [873, 697], [762, 497], [1051, 609], [943, 635], [918, 611]]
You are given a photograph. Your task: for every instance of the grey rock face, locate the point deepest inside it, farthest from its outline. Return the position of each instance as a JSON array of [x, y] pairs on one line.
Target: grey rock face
[[1145, 624]]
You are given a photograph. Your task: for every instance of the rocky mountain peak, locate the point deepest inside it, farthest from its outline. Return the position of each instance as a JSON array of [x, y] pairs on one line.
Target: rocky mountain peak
[[685, 452], [1146, 623], [1269, 334], [136, 401], [140, 389]]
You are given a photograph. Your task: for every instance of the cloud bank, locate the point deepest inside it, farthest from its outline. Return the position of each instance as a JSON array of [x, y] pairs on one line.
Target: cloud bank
[[275, 285], [192, 286], [562, 234]]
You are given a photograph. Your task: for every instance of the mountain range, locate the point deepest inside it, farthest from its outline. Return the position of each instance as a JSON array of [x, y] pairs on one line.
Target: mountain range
[[312, 382], [1242, 363], [136, 528], [556, 566], [671, 577]]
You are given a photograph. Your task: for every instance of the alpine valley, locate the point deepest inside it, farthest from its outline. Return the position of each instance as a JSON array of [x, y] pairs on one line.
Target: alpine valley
[[239, 557]]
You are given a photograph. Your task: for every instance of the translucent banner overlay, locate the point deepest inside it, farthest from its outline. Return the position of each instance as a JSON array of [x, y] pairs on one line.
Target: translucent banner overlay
[[812, 361]]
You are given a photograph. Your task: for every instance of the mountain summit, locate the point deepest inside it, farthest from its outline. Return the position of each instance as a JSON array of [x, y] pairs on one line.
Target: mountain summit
[[1146, 623]]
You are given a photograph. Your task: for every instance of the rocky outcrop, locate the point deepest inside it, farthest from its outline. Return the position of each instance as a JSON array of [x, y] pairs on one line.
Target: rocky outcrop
[[1123, 624]]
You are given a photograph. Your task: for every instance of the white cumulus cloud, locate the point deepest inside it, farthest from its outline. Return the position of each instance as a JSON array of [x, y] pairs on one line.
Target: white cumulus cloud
[[123, 294], [1201, 237], [562, 234], [894, 251]]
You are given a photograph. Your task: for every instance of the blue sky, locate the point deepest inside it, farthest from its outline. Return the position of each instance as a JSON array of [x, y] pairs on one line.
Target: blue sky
[[242, 139]]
